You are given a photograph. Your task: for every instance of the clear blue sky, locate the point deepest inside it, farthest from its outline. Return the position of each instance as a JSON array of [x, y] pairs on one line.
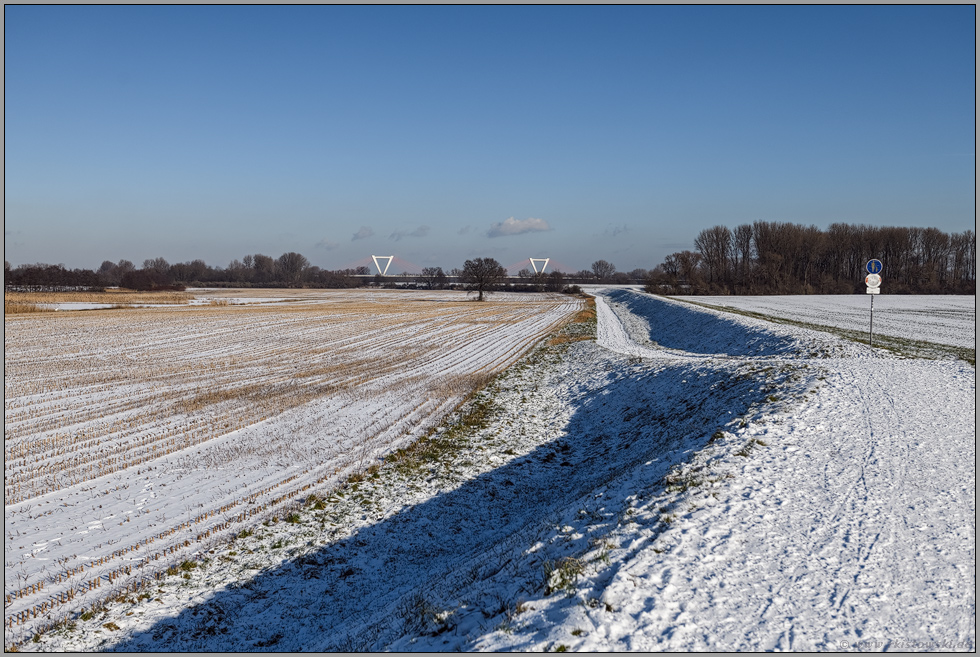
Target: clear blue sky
[[441, 133]]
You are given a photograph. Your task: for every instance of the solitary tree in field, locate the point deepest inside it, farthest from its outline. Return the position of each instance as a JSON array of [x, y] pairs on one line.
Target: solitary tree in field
[[483, 275]]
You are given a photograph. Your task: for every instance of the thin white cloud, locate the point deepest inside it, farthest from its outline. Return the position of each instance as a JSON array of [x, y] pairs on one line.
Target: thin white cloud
[[364, 233], [326, 245], [517, 226], [464, 230]]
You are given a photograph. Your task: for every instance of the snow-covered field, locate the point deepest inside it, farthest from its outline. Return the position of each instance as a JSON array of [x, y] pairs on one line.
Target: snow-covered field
[[690, 479], [950, 320], [134, 438]]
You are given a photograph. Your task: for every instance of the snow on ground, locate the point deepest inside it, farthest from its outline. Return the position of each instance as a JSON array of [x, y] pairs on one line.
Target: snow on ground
[[132, 439], [936, 318], [690, 480], [847, 521]]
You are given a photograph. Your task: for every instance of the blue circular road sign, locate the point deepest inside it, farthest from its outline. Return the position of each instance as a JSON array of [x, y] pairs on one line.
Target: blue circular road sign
[[874, 266]]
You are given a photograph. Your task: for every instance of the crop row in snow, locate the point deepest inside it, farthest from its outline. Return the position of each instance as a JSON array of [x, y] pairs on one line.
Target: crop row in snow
[[135, 437]]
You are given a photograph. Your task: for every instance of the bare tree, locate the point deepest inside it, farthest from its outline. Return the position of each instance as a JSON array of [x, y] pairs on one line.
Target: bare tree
[[786, 258], [687, 264], [264, 266], [677, 274], [964, 259], [291, 267], [603, 269], [556, 281], [483, 275], [156, 270], [742, 256], [935, 260], [185, 272], [110, 272], [715, 247], [158, 265], [433, 277], [236, 271]]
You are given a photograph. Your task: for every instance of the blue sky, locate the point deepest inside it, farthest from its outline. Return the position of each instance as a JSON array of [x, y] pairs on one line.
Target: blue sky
[[445, 133]]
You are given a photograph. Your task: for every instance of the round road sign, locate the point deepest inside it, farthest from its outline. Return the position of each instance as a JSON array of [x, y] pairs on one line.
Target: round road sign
[[874, 266], [872, 280]]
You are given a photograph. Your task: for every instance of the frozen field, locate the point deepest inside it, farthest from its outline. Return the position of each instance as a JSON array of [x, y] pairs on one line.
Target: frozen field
[[134, 437], [687, 479], [946, 319]]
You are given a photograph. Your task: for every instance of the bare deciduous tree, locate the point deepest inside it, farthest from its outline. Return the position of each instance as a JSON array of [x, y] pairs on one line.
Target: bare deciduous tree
[[291, 266], [715, 247], [556, 281], [433, 277], [603, 270], [483, 275], [785, 258]]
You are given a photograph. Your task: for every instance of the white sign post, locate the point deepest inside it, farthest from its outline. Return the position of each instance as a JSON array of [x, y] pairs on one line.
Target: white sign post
[[873, 281]]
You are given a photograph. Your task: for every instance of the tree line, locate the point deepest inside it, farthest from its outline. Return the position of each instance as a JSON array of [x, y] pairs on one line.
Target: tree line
[[786, 258], [257, 270], [759, 258], [294, 270]]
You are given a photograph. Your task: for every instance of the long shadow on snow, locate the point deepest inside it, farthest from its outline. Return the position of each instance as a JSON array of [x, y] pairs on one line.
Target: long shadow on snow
[[343, 594], [688, 328]]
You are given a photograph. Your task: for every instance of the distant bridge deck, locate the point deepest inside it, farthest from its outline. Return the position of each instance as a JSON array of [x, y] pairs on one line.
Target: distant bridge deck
[[509, 280]]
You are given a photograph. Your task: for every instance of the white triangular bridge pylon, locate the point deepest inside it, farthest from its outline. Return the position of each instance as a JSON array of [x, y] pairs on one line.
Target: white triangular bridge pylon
[[388, 260], [542, 261]]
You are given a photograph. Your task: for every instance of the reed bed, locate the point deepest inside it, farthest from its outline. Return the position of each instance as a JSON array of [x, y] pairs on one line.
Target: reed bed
[[138, 438], [14, 307], [112, 296]]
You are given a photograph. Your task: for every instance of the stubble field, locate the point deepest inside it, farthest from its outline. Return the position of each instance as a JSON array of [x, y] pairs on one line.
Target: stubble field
[[134, 438]]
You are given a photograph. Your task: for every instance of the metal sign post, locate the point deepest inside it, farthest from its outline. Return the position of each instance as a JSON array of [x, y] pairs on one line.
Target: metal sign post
[[871, 341], [873, 281]]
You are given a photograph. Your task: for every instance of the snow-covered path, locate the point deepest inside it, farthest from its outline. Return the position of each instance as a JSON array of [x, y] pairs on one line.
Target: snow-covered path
[[846, 521], [855, 525]]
